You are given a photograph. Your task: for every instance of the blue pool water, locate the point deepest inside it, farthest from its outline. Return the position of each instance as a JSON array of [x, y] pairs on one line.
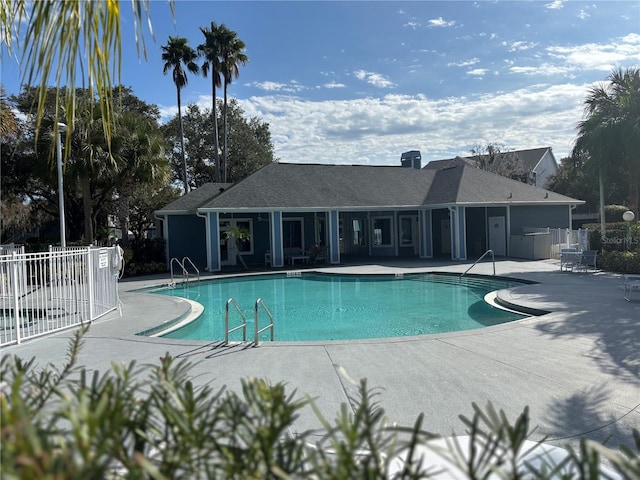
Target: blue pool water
[[341, 307]]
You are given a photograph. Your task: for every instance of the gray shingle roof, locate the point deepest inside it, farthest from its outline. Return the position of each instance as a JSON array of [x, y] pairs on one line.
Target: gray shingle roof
[[312, 186], [196, 198]]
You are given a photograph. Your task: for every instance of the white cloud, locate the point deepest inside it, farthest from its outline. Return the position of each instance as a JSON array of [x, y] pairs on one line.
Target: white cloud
[[583, 15], [555, 5], [413, 25], [519, 46], [378, 130], [441, 22], [375, 79], [600, 57], [545, 69], [464, 63], [334, 85], [477, 72], [269, 86]]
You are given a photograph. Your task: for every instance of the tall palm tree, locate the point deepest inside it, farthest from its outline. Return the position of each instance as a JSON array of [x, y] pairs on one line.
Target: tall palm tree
[[210, 51], [175, 54], [611, 132], [232, 57]]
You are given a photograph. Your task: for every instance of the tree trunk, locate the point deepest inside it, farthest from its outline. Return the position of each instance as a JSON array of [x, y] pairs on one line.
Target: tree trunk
[[240, 256], [216, 153], [184, 159], [224, 138]]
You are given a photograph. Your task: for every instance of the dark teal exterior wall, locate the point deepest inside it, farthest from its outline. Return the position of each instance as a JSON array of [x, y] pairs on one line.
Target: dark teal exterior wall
[[539, 216], [187, 239]]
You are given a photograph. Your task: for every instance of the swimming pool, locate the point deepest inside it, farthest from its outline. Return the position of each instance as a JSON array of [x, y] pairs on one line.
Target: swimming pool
[[314, 306]]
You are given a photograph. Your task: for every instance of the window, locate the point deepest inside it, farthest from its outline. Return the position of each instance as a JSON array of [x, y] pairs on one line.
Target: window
[[292, 233], [359, 239], [382, 232]]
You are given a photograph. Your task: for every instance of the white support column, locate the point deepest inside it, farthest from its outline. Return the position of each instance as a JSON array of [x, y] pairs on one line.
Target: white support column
[[334, 237], [426, 234], [277, 249], [214, 261]]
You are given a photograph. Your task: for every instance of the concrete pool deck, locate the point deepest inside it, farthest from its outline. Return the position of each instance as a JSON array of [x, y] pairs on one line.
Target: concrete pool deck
[[577, 368]]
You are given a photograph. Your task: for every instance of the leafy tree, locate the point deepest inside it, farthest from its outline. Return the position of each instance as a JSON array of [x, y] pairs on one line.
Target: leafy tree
[[176, 54], [609, 138], [143, 202], [142, 167], [494, 158], [210, 50], [249, 146], [232, 57], [573, 179], [92, 174]]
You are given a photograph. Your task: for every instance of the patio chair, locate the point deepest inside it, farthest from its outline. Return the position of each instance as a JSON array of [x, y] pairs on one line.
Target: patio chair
[[569, 258], [588, 259], [631, 288]]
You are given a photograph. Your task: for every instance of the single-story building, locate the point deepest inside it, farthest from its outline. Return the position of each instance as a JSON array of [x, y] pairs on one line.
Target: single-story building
[[455, 211]]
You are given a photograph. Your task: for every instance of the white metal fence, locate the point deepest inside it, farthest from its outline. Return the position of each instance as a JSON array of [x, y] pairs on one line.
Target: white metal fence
[[45, 292]]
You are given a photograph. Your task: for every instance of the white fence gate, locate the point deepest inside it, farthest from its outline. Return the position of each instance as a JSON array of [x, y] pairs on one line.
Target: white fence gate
[[41, 293]]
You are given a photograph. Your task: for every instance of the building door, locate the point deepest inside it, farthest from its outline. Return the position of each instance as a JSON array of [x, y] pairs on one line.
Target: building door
[[497, 235]]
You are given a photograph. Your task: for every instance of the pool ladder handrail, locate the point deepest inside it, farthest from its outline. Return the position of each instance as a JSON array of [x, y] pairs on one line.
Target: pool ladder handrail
[[257, 332], [493, 259], [243, 325], [185, 272]]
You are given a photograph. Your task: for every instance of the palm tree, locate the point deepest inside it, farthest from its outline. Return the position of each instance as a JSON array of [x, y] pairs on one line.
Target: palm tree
[[211, 51], [175, 54], [63, 34], [610, 134], [232, 57]]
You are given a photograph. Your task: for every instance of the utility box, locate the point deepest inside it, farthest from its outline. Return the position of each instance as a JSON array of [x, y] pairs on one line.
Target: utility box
[[532, 246]]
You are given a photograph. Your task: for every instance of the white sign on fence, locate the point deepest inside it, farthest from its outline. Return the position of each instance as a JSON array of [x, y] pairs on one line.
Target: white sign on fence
[[103, 259]]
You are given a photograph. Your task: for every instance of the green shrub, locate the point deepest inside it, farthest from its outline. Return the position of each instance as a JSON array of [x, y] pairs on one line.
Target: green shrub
[[153, 422], [134, 268], [613, 213], [619, 262]]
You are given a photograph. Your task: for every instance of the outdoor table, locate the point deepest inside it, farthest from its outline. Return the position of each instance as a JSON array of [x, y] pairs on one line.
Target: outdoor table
[[570, 260]]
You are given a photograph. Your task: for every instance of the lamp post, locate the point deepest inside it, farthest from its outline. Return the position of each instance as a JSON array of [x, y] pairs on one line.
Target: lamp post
[[628, 217], [61, 129]]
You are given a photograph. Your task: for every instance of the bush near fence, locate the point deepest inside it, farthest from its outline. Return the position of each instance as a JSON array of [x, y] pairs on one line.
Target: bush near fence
[[617, 253]]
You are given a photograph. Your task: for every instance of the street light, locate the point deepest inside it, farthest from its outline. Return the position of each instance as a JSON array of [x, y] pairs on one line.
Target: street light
[[628, 217], [61, 129]]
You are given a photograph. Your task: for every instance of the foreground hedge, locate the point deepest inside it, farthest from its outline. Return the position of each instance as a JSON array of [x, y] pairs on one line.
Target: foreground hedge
[[152, 422]]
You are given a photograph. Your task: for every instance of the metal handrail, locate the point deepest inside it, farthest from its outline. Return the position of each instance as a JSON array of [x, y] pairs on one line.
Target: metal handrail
[[255, 323], [242, 326], [187, 259], [493, 259], [185, 274]]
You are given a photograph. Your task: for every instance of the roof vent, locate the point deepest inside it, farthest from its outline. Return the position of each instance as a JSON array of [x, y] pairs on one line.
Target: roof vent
[[411, 159]]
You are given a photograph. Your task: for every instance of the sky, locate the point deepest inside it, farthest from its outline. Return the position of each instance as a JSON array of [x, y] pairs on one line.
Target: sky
[[361, 82]]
